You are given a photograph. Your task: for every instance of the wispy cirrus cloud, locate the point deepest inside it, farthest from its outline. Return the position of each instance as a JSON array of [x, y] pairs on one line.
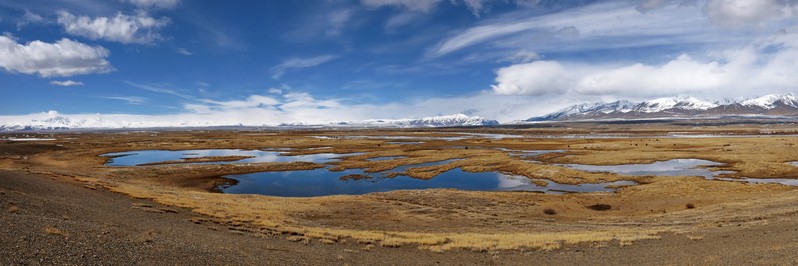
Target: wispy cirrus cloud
[[159, 89], [66, 83], [300, 63], [135, 100], [605, 25], [183, 51], [165, 4]]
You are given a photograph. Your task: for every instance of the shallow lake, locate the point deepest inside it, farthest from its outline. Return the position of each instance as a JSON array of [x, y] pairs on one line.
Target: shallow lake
[[675, 167], [258, 156], [322, 182]]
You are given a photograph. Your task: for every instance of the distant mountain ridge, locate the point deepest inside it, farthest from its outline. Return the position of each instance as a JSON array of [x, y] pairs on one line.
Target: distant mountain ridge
[[456, 120], [59, 122], [679, 106]]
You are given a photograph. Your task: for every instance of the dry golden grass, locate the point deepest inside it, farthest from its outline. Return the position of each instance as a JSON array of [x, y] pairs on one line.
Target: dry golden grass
[[442, 220], [695, 238], [55, 231]]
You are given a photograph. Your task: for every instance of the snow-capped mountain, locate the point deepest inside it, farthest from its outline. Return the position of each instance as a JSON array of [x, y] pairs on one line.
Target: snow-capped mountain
[[680, 106], [456, 120], [55, 121]]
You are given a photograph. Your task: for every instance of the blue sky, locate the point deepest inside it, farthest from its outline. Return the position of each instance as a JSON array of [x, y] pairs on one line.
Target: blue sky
[[266, 62]]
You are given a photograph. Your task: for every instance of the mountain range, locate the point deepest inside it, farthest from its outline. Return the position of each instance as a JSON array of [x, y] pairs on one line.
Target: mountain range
[[456, 120], [676, 107], [774, 105], [58, 122]]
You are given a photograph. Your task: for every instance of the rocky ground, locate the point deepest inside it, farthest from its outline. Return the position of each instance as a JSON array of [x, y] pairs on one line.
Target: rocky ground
[[50, 220]]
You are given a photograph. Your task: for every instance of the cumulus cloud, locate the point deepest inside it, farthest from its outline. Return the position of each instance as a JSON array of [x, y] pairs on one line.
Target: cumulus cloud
[[536, 78], [66, 83], [121, 28], [63, 58], [742, 12], [764, 65], [165, 4], [299, 63]]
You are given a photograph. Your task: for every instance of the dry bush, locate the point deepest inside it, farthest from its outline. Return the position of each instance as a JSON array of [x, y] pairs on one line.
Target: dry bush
[[600, 207], [55, 231], [13, 209], [690, 206], [549, 211]]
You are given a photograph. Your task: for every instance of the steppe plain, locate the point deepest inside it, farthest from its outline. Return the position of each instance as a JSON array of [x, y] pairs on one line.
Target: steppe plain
[[63, 205]]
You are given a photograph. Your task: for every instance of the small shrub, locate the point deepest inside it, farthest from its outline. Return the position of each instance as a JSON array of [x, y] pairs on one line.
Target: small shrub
[[690, 206], [549, 211], [599, 207], [13, 209]]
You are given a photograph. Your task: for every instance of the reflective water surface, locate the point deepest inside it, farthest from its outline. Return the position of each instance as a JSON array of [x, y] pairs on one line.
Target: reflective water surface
[[675, 167], [322, 182], [258, 156]]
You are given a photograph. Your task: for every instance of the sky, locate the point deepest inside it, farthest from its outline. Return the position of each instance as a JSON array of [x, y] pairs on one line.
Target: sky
[[314, 61]]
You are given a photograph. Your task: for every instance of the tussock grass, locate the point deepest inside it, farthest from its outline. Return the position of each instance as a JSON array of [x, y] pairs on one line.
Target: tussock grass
[[55, 231], [754, 157]]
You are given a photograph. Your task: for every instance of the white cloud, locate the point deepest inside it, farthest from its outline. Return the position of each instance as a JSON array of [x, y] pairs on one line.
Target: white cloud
[[604, 25], [165, 4], [119, 28], [475, 6], [679, 75], [522, 56], [63, 58], [763, 66], [129, 99], [159, 89], [411, 5], [253, 101], [742, 12], [66, 83], [336, 20], [299, 63], [401, 19], [536, 78], [183, 51], [29, 18]]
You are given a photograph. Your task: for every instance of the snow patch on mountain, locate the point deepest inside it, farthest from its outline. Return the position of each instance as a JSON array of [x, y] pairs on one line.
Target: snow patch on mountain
[[52, 120], [678, 102], [679, 106], [772, 100], [456, 120]]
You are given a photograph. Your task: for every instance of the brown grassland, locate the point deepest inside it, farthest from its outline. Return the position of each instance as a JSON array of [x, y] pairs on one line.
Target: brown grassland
[[446, 219]]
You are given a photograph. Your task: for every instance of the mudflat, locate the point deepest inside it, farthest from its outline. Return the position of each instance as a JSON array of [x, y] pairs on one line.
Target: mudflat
[[63, 205]]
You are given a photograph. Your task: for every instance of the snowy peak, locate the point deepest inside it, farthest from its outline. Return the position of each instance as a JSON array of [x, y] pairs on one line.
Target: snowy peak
[[679, 102], [680, 106], [772, 101], [456, 120]]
